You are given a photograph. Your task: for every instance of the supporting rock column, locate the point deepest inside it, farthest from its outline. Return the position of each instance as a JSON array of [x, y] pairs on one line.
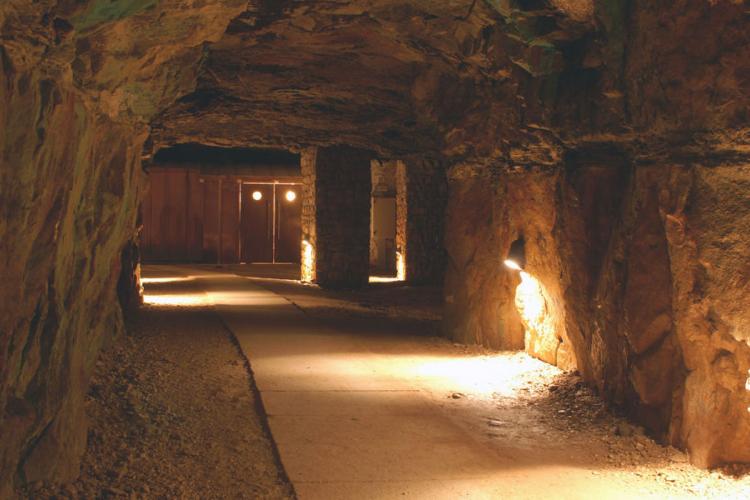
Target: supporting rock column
[[421, 196], [336, 216]]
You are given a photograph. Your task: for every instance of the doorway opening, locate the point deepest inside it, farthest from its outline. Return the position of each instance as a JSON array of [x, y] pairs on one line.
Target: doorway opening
[[383, 217]]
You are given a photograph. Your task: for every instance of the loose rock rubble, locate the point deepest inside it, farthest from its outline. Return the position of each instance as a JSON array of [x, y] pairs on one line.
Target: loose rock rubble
[[556, 411], [173, 415]]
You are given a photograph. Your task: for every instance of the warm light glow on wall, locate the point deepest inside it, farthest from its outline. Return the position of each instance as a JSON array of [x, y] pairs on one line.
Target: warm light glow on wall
[[538, 319], [257, 195], [291, 196], [747, 385], [400, 266], [308, 262]]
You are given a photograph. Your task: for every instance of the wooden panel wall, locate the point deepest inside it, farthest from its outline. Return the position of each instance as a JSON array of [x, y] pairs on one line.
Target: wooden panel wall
[[191, 217], [230, 221], [194, 222], [172, 217], [211, 219]]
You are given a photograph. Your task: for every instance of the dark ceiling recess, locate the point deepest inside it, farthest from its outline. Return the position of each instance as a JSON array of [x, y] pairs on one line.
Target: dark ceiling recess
[[200, 154]]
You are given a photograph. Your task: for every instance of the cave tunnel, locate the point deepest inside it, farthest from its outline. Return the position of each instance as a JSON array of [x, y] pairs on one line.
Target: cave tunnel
[[358, 249]]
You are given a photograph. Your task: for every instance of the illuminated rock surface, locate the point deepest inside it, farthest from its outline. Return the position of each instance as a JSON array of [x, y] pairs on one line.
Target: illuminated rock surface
[[613, 134]]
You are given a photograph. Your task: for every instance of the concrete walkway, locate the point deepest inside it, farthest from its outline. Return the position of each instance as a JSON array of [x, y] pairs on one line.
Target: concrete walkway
[[344, 426], [359, 416]]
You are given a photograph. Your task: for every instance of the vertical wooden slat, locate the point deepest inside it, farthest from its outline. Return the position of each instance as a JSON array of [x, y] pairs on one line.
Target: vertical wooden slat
[[211, 219], [160, 214], [145, 237], [194, 226], [229, 221]]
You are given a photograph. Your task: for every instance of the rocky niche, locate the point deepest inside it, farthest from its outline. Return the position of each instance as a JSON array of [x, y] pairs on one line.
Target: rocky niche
[[640, 277]]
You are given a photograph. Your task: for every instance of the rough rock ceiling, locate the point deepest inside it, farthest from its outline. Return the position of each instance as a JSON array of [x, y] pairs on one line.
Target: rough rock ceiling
[[399, 77]]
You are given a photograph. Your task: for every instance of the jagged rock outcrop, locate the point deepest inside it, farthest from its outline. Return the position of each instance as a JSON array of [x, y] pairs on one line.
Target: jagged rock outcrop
[[633, 267], [624, 223], [78, 83], [606, 131], [425, 78]]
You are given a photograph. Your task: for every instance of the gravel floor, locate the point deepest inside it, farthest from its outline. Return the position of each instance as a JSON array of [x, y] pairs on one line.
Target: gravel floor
[[174, 415]]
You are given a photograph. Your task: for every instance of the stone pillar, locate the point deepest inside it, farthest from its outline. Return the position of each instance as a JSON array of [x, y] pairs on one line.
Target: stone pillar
[[336, 216], [309, 234], [421, 196]]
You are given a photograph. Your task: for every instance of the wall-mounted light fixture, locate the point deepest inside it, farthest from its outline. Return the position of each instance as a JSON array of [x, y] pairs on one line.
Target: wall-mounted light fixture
[[516, 259], [291, 196], [257, 195]]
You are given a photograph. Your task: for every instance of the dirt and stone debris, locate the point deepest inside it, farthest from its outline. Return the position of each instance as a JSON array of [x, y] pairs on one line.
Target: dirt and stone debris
[[173, 414]]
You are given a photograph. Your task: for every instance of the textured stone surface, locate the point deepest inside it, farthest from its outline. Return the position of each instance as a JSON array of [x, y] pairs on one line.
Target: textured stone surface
[[421, 195], [308, 223], [399, 77], [648, 100], [647, 304], [78, 82], [336, 215]]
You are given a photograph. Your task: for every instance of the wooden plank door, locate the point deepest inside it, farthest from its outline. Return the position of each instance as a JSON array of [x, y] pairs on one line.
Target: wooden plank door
[[211, 213], [229, 234], [288, 222], [257, 223]]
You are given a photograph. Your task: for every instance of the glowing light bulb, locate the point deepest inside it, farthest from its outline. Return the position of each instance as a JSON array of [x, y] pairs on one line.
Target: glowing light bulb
[[257, 195], [291, 196]]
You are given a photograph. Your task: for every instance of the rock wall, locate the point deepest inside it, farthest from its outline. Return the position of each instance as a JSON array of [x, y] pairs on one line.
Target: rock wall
[[706, 216], [633, 147], [69, 194], [643, 280], [78, 83], [486, 213], [479, 293]]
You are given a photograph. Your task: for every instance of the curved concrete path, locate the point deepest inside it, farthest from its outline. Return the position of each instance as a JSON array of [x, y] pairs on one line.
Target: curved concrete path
[[358, 416]]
